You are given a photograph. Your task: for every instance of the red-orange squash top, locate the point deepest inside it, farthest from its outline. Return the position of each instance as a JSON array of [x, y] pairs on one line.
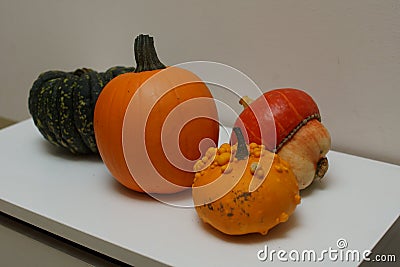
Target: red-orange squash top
[[285, 109]]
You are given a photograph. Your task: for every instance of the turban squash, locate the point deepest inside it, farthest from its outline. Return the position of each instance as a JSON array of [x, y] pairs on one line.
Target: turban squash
[[243, 189], [287, 121], [62, 105], [166, 90]]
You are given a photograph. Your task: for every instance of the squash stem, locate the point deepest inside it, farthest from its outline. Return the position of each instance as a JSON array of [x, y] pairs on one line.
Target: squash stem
[[82, 71], [146, 55], [242, 152], [245, 101]]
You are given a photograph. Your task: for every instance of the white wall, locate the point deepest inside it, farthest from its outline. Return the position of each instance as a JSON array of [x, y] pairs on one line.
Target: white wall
[[345, 53]]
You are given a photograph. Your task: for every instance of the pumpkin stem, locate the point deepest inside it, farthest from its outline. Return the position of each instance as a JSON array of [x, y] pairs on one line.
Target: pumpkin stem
[[245, 101], [242, 152], [146, 55]]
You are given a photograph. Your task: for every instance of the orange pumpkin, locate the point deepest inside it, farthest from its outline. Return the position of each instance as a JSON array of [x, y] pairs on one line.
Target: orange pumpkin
[[243, 189], [152, 93]]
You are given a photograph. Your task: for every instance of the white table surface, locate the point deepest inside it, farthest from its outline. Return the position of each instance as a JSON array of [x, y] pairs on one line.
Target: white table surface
[[76, 198]]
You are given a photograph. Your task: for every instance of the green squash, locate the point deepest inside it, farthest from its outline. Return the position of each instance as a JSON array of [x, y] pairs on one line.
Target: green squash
[[62, 105]]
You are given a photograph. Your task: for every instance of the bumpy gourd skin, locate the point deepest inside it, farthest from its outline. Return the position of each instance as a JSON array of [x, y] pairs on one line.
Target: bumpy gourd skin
[[62, 105], [242, 209]]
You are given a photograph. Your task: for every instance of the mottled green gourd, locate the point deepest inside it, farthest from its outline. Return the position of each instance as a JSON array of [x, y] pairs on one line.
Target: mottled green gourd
[[62, 106]]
